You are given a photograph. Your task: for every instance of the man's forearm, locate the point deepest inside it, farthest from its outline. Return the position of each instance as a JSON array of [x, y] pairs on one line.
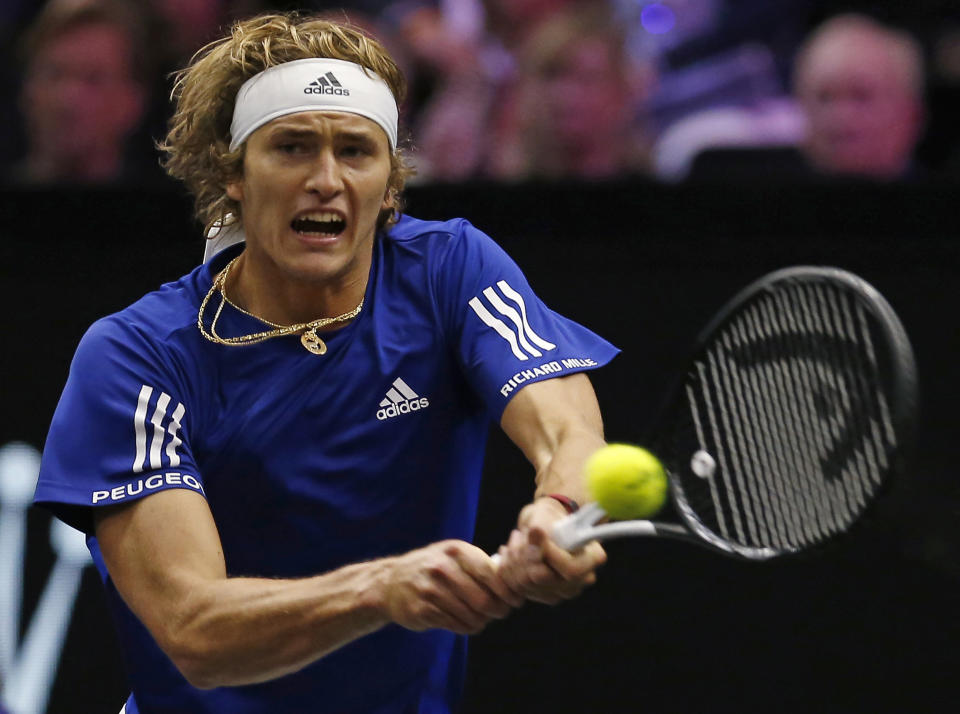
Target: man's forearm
[[238, 631], [234, 631], [562, 473], [557, 425]]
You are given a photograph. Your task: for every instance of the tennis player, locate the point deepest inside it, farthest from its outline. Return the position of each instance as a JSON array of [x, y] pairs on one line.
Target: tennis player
[[277, 458]]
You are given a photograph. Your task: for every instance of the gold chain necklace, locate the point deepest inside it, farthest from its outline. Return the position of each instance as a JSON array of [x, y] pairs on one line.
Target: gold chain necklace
[[309, 339]]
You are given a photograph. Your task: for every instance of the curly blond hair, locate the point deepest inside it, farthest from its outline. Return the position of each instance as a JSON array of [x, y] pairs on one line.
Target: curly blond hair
[[197, 145]]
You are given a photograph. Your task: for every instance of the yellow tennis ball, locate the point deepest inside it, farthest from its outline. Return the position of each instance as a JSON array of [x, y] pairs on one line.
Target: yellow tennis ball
[[627, 481]]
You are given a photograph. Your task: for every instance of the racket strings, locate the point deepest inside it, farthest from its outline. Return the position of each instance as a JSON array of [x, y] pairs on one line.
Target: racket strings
[[873, 429], [886, 421], [762, 446], [798, 460], [772, 438], [717, 510], [812, 430], [786, 401], [861, 462], [773, 446]]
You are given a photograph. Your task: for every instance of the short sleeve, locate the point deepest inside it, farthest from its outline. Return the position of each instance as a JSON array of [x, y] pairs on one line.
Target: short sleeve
[[505, 337], [121, 429]]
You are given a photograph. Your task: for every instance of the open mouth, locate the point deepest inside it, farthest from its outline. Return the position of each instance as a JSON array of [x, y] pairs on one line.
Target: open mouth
[[321, 224]]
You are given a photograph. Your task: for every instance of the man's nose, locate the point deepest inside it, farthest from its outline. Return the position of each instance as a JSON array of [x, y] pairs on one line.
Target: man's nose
[[326, 177]]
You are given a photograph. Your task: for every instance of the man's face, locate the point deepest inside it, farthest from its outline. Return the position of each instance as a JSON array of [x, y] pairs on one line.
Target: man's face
[[313, 186], [80, 97], [863, 117]]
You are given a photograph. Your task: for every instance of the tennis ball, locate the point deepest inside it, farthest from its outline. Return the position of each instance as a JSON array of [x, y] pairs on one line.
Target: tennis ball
[[627, 481]]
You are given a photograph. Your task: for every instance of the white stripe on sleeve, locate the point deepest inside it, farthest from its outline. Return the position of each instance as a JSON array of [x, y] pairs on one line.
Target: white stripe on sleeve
[[139, 427], [157, 420], [517, 298], [498, 327], [514, 317], [175, 440]]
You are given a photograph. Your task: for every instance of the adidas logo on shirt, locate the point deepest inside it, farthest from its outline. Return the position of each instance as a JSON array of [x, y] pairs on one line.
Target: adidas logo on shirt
[[326, 84], [401, 399]]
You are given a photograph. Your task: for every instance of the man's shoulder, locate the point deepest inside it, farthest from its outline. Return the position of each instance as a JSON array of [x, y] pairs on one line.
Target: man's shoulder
[[437, 240], [411, 230], [161, 319]]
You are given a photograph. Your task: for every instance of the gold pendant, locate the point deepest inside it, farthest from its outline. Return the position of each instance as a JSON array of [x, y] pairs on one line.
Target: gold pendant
[[312, 343]]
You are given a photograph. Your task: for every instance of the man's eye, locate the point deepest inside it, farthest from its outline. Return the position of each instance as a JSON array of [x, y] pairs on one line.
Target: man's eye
[[291, 148]]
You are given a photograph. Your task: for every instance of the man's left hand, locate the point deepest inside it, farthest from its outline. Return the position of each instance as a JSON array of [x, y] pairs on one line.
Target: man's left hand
[[534, 566]]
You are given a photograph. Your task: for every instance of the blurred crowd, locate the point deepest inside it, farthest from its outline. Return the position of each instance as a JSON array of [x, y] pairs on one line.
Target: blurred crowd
[[513, 90]]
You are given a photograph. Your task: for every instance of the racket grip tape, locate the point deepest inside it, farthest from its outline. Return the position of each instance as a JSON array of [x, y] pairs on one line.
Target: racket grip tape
[[568, 531]]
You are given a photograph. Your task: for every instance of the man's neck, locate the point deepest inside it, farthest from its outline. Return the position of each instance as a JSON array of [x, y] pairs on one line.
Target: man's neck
[[257, 287]]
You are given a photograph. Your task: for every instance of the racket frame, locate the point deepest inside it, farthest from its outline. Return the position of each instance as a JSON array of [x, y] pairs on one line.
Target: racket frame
[[577, 529], [903, 396]]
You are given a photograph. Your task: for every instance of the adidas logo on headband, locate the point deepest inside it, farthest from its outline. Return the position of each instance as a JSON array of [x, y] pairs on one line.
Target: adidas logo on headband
[[326, 84], [272, 94]]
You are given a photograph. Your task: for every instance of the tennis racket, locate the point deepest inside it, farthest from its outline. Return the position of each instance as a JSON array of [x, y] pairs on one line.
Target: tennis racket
[[797, 408]]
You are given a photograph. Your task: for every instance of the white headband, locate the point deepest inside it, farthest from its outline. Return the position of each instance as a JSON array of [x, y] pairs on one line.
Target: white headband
[[314, 84]]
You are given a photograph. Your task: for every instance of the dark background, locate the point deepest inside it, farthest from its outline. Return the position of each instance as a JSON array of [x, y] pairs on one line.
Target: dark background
[[869, 624]]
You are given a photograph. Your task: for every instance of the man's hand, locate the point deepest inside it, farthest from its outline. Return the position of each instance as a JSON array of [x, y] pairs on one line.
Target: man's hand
[[451, 585], [536, 567]]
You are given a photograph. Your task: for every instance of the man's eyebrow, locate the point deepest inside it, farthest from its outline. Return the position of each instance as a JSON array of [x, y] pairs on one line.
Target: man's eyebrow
[[354, 135], [292, 132]]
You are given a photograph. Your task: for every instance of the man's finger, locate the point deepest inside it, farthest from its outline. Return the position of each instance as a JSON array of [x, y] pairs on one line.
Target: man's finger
[[480, 586], [488, 574]]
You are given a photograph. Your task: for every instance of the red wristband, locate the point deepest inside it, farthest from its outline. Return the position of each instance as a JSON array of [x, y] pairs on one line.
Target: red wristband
[[565, 501]]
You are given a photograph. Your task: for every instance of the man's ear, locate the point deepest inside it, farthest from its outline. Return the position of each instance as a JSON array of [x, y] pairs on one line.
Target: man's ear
[[235, 190], [389, 200]]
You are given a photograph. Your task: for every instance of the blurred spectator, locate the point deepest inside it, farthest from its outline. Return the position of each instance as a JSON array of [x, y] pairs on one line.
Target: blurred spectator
[[464, 60], [577, 95], [514, 22], [858, 110], [190, 24], [861, 86], [714, 53], [722, 69], [455, 82], [768, 129], [84, 94]]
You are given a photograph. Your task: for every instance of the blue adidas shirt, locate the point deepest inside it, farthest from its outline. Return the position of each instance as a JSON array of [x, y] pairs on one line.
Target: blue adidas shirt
[[312, 462]]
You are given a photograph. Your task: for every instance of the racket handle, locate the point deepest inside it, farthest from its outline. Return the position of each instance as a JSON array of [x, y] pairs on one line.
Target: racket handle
[[568, 531]]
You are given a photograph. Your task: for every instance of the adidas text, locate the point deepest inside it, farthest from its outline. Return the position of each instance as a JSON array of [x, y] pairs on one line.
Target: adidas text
[[413, 405], [327, 90]]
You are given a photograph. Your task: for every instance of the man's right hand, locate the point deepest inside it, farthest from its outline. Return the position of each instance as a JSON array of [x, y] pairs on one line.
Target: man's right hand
[[451, 585]]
